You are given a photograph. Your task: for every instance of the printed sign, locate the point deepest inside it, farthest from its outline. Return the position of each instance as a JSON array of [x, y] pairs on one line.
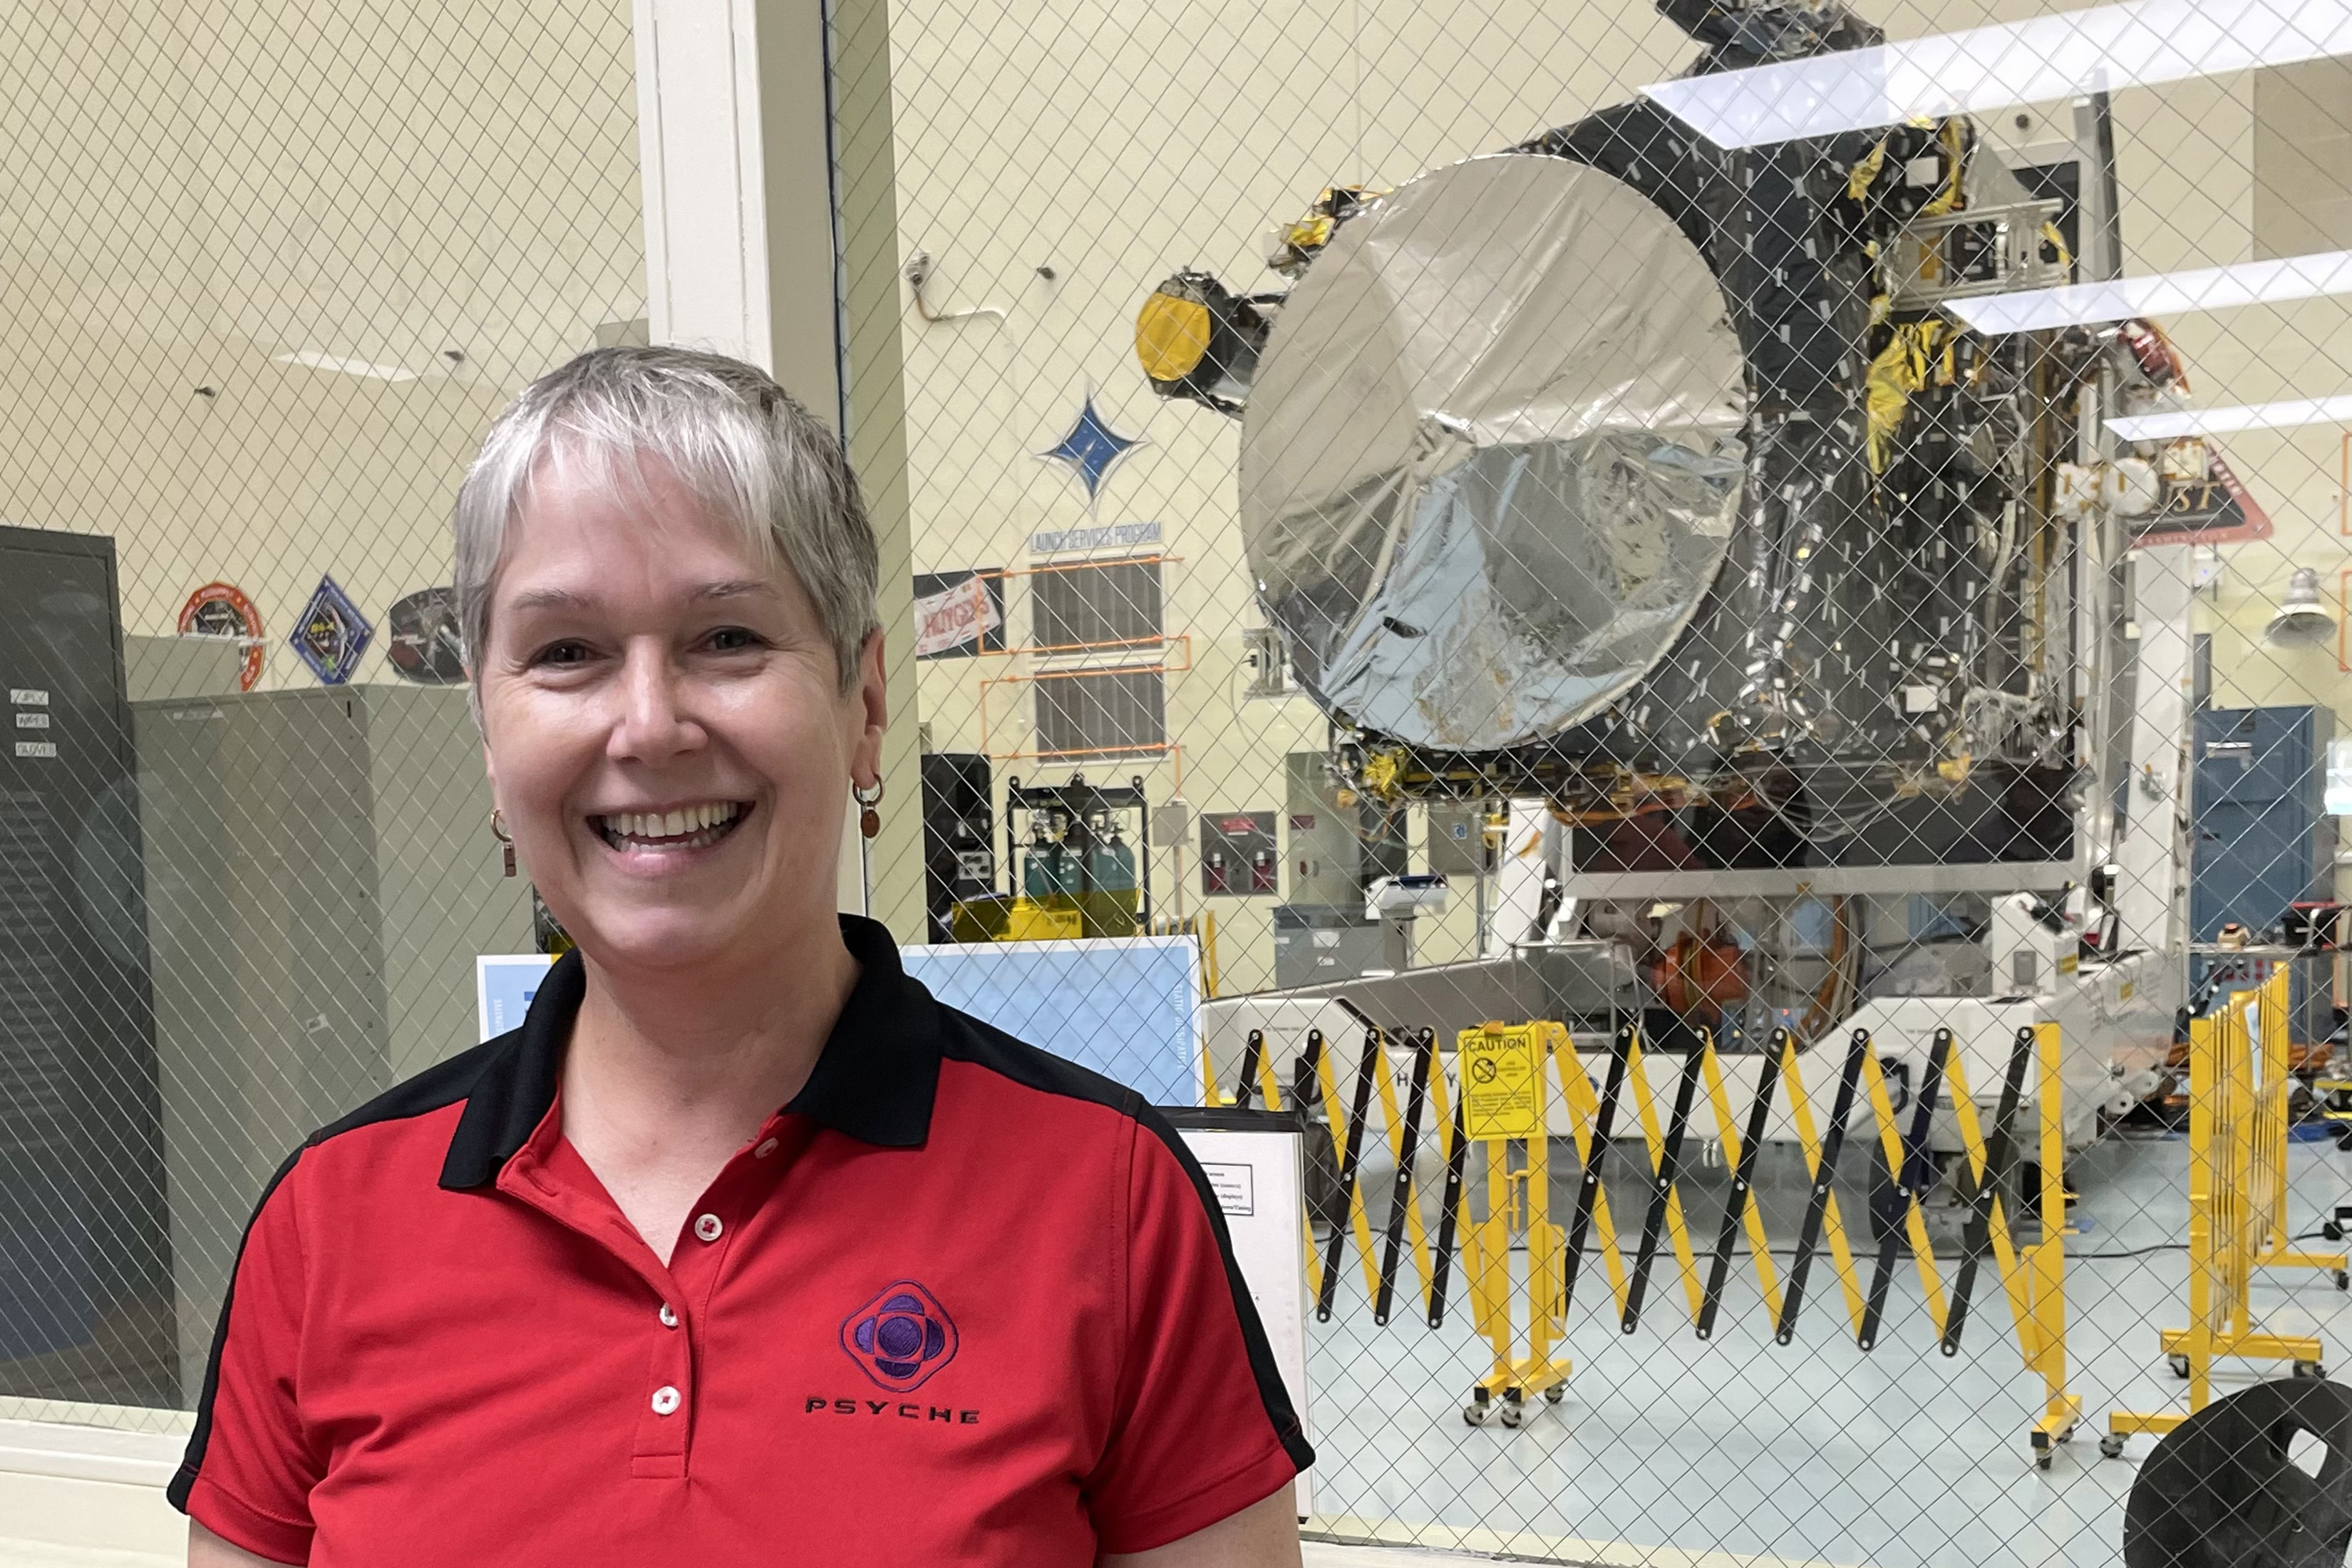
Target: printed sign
[[1252, 1161], [2201, 500], [222, 610], [423, 641], [331, 634], [1499, 1084], [1234, 1189], [956, 616], [1109, 536]]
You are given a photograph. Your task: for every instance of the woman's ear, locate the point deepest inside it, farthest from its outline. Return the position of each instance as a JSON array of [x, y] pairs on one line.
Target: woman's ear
[[871, 701]]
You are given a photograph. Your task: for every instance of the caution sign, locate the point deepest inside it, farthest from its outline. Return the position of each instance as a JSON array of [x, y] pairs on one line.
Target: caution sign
[[1502, 1083]]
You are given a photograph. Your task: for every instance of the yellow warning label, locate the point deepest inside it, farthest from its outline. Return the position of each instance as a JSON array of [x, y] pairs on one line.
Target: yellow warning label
[[1502, 1083]]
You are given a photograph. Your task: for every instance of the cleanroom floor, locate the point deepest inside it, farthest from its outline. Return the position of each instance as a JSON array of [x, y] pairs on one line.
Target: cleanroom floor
[[1815, 1452]]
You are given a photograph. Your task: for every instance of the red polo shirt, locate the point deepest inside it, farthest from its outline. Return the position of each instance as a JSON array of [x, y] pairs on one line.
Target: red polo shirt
[[959, 1301]]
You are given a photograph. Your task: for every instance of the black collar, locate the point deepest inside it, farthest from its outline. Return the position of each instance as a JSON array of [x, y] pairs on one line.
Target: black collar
[[874, 1080]]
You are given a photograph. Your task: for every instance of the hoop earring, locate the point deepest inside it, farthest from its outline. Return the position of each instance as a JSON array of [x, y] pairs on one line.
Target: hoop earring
[[506, 840], [869, 821]]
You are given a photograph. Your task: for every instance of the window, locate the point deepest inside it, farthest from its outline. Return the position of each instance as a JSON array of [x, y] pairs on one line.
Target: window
[[1116, 603], [1101, 713]]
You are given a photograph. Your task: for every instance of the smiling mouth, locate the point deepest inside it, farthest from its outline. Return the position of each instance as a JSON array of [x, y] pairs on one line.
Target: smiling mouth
[[687, 827]]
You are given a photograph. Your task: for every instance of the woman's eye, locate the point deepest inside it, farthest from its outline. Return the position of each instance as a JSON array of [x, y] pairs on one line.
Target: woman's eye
[[732, 639], [563, 653]]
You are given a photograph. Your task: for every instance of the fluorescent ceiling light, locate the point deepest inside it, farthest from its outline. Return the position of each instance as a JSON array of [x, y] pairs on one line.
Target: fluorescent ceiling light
[[312, 359], [2283, 416], [2161, 294], [2097, 48]]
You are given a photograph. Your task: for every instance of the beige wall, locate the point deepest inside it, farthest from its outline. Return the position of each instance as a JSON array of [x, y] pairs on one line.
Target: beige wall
[[195, 190]]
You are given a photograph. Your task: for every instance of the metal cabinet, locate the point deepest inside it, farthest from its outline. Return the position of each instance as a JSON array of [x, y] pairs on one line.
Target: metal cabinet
[[320, 878], [2263, 837], [85, 1265], [2260, 835]]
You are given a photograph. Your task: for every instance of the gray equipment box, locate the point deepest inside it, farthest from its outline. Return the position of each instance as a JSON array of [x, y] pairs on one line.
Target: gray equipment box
[[321, 877], [1317, 943]]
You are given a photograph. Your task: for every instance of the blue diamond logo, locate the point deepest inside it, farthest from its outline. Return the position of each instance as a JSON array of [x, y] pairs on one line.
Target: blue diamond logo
[[1092, 449]]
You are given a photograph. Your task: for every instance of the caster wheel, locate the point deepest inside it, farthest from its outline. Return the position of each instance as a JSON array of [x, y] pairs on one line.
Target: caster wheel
[[1512, 1416], [2343, 1280], [2179, 1364], [2309, 1369], [2331, 1230], [2042, 1460], [1555, 1394], [2111, 1447], [2067, 1436], [1473, 1415]]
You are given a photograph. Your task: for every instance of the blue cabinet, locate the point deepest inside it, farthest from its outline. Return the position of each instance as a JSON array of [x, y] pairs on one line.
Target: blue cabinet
[[2259, 835], [2262, 838]]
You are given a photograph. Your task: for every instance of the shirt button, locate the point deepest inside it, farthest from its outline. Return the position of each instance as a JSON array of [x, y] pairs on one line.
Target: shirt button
[[767, 1147], [669, 1318], [708, 1228], [665, 1400]]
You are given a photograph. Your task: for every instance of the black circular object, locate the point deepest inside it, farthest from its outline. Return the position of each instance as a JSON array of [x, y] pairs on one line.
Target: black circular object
[[2221, 1492], [427, 646]]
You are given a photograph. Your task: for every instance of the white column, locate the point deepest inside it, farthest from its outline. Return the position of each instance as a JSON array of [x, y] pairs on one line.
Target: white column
[[736, 158], [2152, 851], [762, 166]]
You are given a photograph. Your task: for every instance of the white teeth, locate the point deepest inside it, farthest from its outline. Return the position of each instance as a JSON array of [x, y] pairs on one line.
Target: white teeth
[[692, 819]]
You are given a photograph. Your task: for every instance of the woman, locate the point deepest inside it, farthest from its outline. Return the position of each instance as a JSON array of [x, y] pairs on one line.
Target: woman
[[742, 1248]]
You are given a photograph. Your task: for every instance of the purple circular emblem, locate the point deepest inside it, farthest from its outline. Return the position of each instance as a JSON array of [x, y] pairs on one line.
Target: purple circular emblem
[[900, 1337]]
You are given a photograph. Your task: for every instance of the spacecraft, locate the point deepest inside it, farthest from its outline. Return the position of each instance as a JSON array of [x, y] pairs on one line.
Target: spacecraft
[[1652, 490], [1649, 478]]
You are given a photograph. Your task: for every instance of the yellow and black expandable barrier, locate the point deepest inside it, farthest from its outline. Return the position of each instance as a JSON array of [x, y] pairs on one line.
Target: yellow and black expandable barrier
[[1501, 1098], [2239, 1092]]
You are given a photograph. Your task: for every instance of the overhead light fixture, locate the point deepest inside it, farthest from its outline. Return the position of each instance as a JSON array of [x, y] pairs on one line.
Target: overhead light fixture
[[2099, 48], [2161, 294], [2302, 620], [2286, 415], [312, 359]]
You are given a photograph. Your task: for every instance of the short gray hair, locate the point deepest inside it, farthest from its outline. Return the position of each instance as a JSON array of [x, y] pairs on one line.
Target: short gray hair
[[731, 434]]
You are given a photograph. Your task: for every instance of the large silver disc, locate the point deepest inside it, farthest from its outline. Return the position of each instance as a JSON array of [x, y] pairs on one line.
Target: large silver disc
[[1492, 457]]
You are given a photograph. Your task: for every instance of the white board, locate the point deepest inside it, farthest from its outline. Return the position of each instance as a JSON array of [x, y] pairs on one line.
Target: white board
[[504, 983], [1254, 1174], [1129, 1008]]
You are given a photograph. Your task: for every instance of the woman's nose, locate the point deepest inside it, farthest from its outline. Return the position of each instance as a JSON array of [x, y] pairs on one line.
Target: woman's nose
[[652, 722]]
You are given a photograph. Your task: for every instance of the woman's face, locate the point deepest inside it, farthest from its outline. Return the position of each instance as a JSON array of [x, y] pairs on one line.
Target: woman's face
[[664, 727]]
